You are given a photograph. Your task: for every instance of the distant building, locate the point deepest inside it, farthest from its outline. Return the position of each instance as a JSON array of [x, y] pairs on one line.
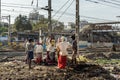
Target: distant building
[[83, 23], [35, 17], [66, 27], [69, 26], [57, 25], [23, 35], [4, 24], [72, 24]]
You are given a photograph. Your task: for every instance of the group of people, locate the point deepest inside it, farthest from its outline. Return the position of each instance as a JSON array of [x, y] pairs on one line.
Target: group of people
[[59, 48]]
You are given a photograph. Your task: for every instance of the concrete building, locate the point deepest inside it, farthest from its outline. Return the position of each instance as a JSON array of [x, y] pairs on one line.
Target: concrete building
[[83, 23], [69, 26], [35, 17]]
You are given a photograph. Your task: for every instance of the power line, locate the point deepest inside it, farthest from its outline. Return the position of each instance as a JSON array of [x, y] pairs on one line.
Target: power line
[[109, 2], [116, 1], [70, 14], [15, 11], [57, 12], [65, 10], [96, 2], [16, 4], [61, 8], [95, 18]]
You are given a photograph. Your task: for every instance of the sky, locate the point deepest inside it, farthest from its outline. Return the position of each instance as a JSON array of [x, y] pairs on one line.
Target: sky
[[87, 9]]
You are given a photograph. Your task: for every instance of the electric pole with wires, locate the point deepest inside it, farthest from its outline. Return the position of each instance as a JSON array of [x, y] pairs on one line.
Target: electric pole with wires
[[49, 9], [49, 17], [0, 12], [77, 25]]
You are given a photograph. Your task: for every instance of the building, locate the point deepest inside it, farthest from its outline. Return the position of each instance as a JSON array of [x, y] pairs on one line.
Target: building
[[69, 26], [4, 24], [35, 17], [83, 23]]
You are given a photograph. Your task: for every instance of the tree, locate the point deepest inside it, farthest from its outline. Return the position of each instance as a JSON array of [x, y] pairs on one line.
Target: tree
[[57, 26], [41, 24], [22, 23], [3, 29]]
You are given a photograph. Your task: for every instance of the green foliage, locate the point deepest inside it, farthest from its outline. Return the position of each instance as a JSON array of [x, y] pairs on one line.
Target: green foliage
[[22, 23], [105, 61], [57, 26], [73, 26], [43, 24], [3, 29], [14, 34]]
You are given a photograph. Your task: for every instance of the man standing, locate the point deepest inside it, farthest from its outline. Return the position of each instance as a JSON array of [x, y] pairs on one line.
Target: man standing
[[30, 48], [62, 49], [74, 47]]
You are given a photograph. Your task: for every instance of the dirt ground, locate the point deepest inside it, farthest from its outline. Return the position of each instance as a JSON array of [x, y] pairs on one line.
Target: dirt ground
[[13, 67]]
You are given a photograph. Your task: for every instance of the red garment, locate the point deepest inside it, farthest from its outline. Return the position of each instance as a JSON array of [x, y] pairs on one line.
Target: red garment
[[62, 61], [39, 59]]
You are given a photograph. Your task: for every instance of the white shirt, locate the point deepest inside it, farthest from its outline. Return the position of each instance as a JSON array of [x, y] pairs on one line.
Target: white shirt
[[63, 46], [51, 48], [29, 46], [38, 49]]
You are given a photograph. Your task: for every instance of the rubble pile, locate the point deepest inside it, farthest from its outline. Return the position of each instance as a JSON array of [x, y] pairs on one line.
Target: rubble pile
[[113, 55], [110, 55], [95, 55], [15, 70]]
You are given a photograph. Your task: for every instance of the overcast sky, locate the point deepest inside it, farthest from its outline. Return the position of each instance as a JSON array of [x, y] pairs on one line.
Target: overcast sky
[[87, 9]]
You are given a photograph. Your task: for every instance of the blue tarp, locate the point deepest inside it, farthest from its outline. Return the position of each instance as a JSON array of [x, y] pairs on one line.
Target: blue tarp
[[3, 38]]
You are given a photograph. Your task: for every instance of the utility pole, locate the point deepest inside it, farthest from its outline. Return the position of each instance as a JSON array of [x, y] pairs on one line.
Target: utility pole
[[9, 29], [49, 9], [49, 18], [9, 26], [37, 4], [77, 25], [0, 12]]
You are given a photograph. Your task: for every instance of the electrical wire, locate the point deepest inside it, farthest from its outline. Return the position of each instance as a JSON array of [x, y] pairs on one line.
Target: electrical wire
[[116, 1], [15, 11], [70, 14], [16, 4], [109, 2], [95, 18], [96, 2], [60, 8], [65, 10], [20, 12]]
